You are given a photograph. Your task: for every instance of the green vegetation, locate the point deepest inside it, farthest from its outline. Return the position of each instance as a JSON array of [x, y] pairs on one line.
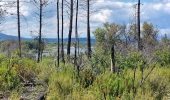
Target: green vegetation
[[63, 82], [139, 75]]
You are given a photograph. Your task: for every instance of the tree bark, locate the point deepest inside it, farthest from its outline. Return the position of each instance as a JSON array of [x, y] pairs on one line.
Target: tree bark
[[139, 32], [58, 55], [88, 30], [113, 59], [19, 31], [40, 32], [70, 29], [76, 36], [62, 32]]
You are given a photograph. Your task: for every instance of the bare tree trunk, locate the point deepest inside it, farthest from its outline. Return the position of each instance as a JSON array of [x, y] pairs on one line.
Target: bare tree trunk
[[113, 59], [41, 55], [19, 33], [58, 56], [78, 43], [62, 32], [76, 35], [40, 30], [88, 30], [70, 29], [134, 79], [138, 19]]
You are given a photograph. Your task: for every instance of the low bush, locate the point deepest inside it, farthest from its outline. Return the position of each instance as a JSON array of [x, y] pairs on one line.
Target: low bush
[[163, 57]]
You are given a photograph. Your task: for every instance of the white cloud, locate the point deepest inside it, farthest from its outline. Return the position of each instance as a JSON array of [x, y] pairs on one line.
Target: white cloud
[[164, 31], [117, 11], [102, 16], [11, 8]]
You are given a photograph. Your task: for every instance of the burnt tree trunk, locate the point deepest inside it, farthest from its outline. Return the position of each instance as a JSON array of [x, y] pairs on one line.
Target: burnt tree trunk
[[58, 55], [88, 30], [113, 59], [70, 28], [76, 36], [19, 32], [40, 32], [62, 31], [138, 22]]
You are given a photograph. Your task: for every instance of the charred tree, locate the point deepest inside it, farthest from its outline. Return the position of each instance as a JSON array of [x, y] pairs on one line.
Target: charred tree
[[40, 31], [113, 58], [70, 29], [58, 27], [88, 30], [62, 31], [138, 26], [19, 30], [76, 36]]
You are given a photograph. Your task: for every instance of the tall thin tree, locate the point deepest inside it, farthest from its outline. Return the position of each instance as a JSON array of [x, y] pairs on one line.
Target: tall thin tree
[[58, 55], [138, 23], [19, 31], [40, 30], [113, 58], [76, 34], [62, 31], [70, 28], [88, 30]]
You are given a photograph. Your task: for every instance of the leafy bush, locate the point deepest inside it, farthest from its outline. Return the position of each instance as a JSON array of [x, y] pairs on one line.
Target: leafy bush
[[159, 83], [61, 83], [25, 69], [163, 57], [110, 86], [44, 69], [132, 60], [8, 77], [14, 70], [87, 78]]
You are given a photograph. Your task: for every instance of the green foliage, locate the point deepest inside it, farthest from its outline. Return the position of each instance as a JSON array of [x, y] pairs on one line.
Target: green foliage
[[61, 83], [44, 69], [14, 70], [110, 86], [107, 36], [149, 33], [158, 84], [163, 57], [25, 69], [8, 77], [87, 78], [132, 60]]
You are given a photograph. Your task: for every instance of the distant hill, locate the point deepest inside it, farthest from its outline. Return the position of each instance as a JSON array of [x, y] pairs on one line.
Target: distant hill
[[4, 37], [7, 37]]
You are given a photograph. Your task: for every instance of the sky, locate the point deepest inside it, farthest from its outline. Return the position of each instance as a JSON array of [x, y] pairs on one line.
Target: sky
[[156, 12]]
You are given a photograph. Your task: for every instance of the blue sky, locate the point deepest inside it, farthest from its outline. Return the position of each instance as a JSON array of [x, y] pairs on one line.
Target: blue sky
[[118, 11]]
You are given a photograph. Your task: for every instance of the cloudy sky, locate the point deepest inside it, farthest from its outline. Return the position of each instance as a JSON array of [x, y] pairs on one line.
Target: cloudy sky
[[118, 11]]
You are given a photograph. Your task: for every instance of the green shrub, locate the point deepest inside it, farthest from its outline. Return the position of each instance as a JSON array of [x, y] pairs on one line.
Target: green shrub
[[8, 77], [25, 69], [14, 70], [110, 86], [163, 57], [44, 69], [132, 60], [87, 78], [159, 83], [61, 83]]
